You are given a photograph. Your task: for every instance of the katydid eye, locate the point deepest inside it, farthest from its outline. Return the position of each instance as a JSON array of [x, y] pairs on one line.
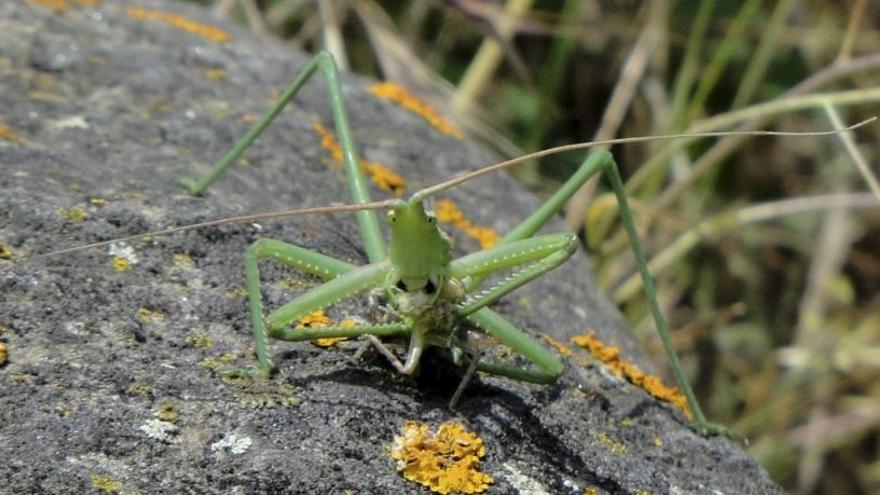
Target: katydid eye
[[392, 217]]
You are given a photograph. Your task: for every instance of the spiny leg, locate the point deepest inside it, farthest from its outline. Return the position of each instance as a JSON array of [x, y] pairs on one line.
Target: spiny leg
[[345, 280], [323, 62], [596, 161], [593, 163], [530, 258], [547, 210], [549, 367], [607, 164]]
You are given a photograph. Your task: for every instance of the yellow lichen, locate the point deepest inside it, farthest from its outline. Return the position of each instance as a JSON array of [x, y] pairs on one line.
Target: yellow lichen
[[610, 356], [318, 319], [105, 483], [445, 461], [236, 293], [200, 340], [74, 214], [215, 74], [615, 446], [120, 264], [382, 176], [184, 261], [180, 22], [214, 363], [561, 348], [265, 393], [6, 252], [167, 412], [7, 134], [3, 354], [334, 341], [400, 95], [448, 212], [22, 378], [98, 201], [315, 319], [147, 315], [140, 388]]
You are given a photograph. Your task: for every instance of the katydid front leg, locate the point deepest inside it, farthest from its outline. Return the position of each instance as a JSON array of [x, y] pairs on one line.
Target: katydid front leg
[[343, 280]]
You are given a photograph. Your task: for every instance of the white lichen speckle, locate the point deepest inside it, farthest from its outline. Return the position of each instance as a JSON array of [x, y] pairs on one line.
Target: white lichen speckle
[[157, 429], [523, 484], [121, 250], [74, 122], [235, 444]]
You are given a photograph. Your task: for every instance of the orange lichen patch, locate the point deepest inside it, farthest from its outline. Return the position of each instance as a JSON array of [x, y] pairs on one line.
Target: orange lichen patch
[[315, 319], [7, 134], [445, 461], [3, 354], [56, 5], [180, 22], [382, 176], [400, 95], [448, 212], [318, 319], [63, 5], [561, 348], [610, 356]]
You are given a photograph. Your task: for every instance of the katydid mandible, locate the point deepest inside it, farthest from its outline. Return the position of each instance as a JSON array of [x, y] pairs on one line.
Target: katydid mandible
[[429, 293]]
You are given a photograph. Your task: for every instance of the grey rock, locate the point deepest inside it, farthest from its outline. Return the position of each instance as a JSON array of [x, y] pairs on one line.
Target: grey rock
[[115, 107]]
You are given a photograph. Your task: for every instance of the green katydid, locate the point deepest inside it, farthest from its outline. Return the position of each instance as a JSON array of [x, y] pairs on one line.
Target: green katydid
[[429, 293]]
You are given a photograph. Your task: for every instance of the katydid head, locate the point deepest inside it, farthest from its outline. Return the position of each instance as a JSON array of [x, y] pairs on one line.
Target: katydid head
[[419, 251]]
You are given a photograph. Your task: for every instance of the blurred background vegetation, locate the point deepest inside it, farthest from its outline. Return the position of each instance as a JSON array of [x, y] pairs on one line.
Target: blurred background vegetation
[[766, 249]]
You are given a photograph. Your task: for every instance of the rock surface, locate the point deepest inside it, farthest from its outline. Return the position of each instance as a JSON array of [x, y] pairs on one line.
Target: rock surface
[[106, 389]]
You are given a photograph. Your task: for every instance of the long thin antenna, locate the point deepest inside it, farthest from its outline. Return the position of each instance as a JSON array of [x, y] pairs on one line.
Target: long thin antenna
[[430, 191], [375, 205]]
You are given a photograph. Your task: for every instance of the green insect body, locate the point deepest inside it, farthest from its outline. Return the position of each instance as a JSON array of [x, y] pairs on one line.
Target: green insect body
[[432, 298]]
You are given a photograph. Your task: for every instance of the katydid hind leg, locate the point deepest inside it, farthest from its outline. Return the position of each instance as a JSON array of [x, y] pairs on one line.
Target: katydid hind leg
[[322, 62], [591, 165], [626, 216]]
